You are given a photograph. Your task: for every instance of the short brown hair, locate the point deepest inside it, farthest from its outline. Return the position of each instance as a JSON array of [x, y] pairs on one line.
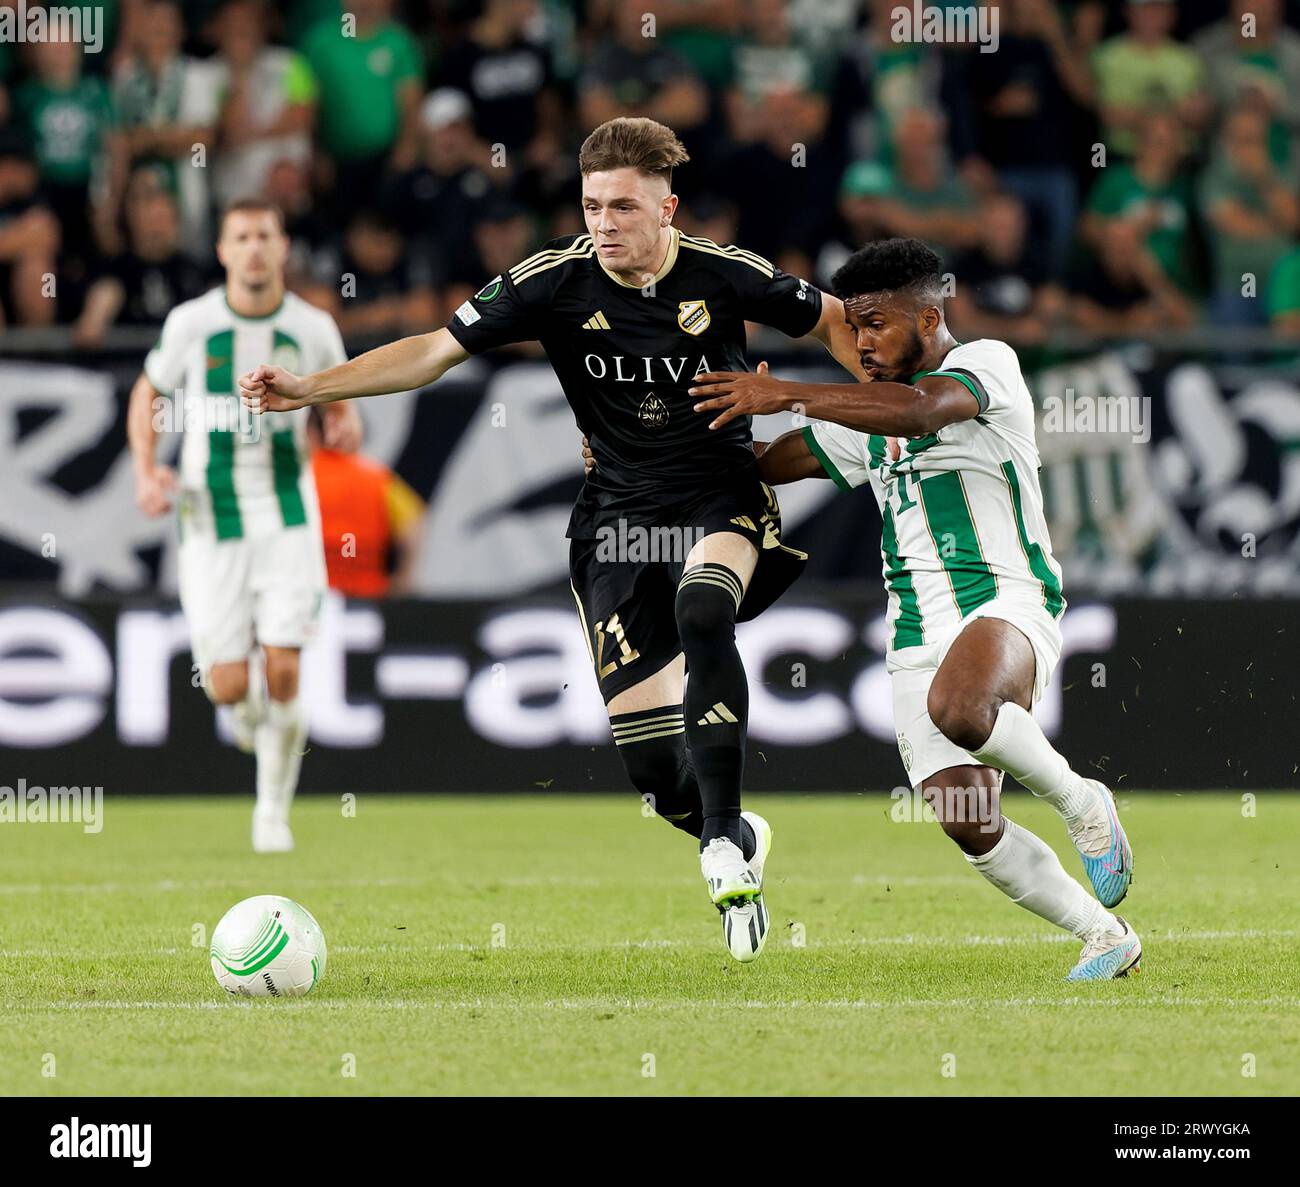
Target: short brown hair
[[251, 206], [632, 143]]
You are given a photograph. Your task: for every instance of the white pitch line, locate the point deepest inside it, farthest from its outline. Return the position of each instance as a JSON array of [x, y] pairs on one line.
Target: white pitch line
[[416, 948], [1108, 1002]]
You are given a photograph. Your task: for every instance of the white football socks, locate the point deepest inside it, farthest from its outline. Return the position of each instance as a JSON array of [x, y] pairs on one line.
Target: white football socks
[[1028, 872], [1020, 748], [280, 736]]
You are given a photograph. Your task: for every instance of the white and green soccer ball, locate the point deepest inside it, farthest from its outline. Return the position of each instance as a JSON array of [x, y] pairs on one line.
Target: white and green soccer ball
[[268, 946]]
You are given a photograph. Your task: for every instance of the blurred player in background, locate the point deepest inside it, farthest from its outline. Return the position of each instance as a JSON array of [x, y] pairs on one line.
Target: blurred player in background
[[944, 433], [251, 569], [628, 314]]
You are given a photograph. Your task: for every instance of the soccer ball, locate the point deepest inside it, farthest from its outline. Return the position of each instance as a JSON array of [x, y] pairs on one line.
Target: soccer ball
[[268, 946]]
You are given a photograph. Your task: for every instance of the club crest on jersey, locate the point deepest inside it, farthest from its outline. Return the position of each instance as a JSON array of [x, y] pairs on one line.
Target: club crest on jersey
[[286, 355], [694, 316], [653, 412]]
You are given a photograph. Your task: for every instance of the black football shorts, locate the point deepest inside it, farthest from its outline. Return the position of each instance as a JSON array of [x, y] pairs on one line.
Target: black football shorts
[[625, 580]]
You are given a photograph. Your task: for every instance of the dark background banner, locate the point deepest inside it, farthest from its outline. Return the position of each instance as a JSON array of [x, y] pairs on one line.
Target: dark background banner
[[419, 696], [1200, 495]]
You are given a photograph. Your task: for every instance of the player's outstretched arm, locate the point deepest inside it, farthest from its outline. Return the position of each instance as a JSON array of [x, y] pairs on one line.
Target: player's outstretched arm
[[890, 409], [788, 459], [399, 366]]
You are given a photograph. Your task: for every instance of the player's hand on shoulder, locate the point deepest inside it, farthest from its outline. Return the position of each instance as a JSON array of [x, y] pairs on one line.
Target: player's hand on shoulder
[[272, 389], [154, 489]]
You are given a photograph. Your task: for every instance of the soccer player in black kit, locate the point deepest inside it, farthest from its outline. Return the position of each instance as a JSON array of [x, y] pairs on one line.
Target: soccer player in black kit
[[628, 314]]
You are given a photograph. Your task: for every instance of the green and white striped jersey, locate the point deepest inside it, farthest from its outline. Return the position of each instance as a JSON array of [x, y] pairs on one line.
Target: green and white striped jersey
[[240, 474], [961, 509]]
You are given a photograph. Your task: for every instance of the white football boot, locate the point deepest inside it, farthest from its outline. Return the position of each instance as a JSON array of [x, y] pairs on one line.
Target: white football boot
[[271, 834], [736, 889]]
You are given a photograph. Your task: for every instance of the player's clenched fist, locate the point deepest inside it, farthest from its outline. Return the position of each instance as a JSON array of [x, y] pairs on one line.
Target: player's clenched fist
[[154, 488], [272, 389]]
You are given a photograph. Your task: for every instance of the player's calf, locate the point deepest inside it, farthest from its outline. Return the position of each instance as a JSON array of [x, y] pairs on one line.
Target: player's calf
[[652, 745], [717, 695], [965, 803]]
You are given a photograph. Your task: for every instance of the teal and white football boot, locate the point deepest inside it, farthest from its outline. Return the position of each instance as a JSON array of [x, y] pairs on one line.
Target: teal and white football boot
[[1108, 955], [1107, 855]]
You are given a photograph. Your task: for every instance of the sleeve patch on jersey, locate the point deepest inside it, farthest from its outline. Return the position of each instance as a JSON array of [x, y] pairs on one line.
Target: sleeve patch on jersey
[[971, 381], [467, 315]]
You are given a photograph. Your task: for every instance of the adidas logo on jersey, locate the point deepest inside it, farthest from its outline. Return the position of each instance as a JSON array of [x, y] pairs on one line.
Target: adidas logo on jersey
[[718, 715], [596, 322]]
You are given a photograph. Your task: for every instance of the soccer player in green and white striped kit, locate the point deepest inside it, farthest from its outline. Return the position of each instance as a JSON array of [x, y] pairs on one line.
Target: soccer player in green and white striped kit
[[944, 433], [250, 564]]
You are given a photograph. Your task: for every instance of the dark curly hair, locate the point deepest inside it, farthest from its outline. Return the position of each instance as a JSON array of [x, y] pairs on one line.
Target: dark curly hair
[[891, 266]]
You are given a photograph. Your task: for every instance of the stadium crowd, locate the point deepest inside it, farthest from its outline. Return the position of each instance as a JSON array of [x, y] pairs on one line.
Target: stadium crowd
[[420, 148]]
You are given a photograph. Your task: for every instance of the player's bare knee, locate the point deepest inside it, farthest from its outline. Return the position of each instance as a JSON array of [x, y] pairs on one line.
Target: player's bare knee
[[227, 684], [964, 716], [281, 674]]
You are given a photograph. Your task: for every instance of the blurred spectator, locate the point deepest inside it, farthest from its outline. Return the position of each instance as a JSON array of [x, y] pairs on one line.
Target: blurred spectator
[[29, 240], [860, 217], [1013, 113], [1121, 290], [903, 77], [502, 235], [1253, 214], [704, 32], [927, 197], [369, 91], [434, 205], [370, 520], [267, 103], [67, 119], [1264, 66], [783, 187], [288, 185], [166, 107], [633, 74], [508, 80], [1152, 194], [300, 17], [770, 60], [387, 290], [1145, 69], [141, 286], [1000, 290], [709, 217], [1284, 295]]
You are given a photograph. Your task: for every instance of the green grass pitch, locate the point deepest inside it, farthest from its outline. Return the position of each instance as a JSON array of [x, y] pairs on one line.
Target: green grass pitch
[[564, 945]]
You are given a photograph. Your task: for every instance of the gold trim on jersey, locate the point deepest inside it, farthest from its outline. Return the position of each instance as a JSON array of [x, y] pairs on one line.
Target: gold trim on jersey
[[669, 260], [730, 252], [542, 261]]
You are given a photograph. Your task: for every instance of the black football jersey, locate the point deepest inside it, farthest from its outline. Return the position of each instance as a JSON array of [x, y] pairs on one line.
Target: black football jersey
[[626, 357]]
